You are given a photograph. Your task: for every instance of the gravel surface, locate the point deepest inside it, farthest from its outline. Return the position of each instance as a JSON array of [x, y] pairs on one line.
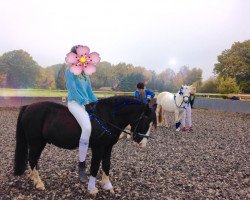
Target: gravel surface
[[211, 162]]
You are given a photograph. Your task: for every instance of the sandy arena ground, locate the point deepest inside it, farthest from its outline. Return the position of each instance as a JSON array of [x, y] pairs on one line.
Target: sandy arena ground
[[211, 162]]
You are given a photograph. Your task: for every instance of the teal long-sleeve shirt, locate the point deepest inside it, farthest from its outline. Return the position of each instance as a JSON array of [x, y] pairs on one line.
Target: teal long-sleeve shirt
[[79, 90]]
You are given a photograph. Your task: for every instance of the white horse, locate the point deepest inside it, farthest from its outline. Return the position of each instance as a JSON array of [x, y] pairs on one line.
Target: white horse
[[168, 102]]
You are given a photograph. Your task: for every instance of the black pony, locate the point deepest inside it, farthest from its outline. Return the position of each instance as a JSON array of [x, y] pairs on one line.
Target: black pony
[[48, 122]]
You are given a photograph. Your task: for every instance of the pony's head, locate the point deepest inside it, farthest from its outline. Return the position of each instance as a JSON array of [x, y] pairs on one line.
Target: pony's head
[[141, 128], [140, 116], [185, 92]]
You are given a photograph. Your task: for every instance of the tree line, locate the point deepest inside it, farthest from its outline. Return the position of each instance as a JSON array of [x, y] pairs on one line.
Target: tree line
[[232, 74]]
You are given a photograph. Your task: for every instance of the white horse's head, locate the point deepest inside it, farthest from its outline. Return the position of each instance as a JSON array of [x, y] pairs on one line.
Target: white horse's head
[[185, 92]]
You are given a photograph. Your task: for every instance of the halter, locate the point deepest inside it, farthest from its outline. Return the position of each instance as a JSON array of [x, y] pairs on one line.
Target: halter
[[101, 122], [181, 94]]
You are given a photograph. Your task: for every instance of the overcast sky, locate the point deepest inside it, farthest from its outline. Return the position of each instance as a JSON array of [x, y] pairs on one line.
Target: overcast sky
[[155, 34]]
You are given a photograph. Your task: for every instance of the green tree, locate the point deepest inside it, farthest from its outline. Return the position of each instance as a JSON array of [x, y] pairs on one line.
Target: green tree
[[228, 85], [60, 80], [103, 76], [3, 77], [209, 86], [20, 69], [121, 70], [129, 82], [165, 80], [46, 80], [55, 69], [235, 63], [193, 76]]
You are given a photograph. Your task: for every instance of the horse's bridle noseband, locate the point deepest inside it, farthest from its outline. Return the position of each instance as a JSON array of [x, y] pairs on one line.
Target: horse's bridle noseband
[[183, 97], [137, 134]]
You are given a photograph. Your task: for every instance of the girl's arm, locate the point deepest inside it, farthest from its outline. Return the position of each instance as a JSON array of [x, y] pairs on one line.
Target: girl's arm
[[92, 97]]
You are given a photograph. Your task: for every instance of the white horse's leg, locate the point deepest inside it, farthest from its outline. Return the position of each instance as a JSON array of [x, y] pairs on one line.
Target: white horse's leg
[[177, 121], [158, 114], [165, 118], [162, 117], [180, 116], [106, 184], [91, 186], [34, 176]]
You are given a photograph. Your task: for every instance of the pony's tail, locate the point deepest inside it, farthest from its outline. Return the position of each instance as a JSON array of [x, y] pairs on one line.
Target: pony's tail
[[21, 152], [160, 115]]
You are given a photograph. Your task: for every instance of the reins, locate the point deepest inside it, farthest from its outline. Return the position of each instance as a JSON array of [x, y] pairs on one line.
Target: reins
[[97, 118], [180, 104]]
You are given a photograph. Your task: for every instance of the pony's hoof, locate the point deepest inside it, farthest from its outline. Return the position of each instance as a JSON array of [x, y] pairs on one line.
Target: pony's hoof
[[31, 176], [40, 186], [112, 191], [93, 193]]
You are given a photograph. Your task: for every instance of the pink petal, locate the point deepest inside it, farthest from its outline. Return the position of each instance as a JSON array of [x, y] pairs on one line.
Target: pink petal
[[89, 69], [94, 58], [82, 50], [71, 58], [75, 69]]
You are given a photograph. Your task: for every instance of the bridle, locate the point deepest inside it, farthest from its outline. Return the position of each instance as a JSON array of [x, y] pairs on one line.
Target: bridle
[[137, 134], [180, 93], [102, 123]]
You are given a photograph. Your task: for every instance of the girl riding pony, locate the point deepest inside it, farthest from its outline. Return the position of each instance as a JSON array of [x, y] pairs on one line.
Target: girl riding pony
[[82, 63]]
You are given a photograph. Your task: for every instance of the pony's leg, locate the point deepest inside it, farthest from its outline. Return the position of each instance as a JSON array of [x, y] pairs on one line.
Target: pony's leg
[[95, 165], [128, 129], [128, 136], [34, 176], [35, 151], [106, 184], [122, 135]]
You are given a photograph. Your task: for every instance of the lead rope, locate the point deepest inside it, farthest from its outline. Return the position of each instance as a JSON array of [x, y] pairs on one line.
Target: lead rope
[[181, 103]]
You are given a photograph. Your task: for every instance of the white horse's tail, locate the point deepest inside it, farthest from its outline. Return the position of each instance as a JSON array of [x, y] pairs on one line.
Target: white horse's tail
[[160, 114]]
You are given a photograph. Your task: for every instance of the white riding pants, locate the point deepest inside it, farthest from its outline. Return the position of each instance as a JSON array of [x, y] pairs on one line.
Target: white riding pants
[[187, 112], [82, 117]]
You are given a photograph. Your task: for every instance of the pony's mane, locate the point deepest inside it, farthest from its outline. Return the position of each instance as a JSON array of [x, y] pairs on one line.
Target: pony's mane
[[116, 100]]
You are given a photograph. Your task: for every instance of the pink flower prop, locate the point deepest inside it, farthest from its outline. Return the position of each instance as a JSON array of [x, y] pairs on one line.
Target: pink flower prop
[[82, 61], [75, 69]]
